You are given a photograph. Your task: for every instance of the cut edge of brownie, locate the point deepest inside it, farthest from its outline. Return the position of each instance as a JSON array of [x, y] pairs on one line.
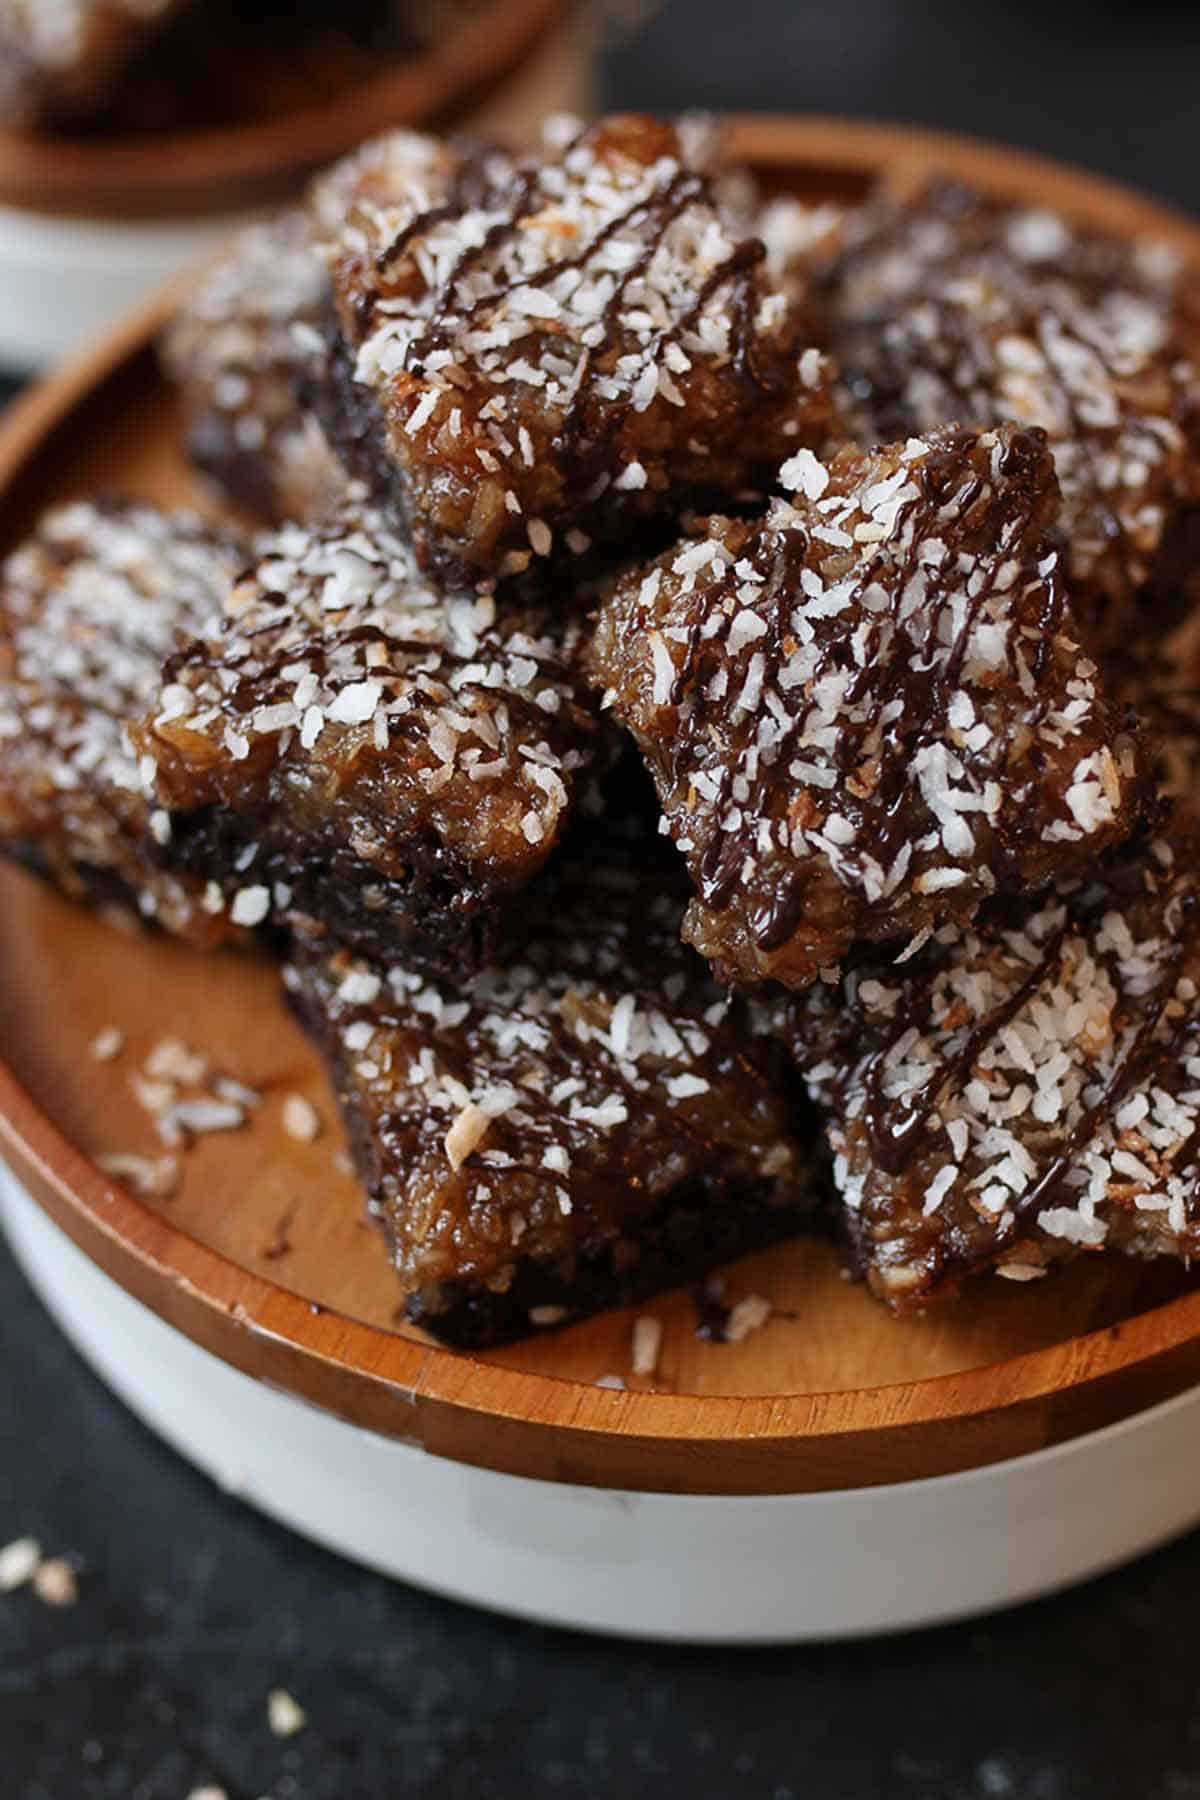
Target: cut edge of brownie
[[455, 931], [700, 1225], [112, 895], [353, 423]]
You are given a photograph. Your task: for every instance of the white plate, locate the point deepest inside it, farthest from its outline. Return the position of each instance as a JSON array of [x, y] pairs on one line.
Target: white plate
[[747, 1569], [63, 279]]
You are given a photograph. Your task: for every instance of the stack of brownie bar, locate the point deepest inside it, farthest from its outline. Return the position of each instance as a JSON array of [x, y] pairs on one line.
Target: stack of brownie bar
[[702, 694]]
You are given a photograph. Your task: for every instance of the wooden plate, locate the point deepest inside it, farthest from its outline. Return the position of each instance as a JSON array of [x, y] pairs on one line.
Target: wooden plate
[[264, 1256], [173, 175]]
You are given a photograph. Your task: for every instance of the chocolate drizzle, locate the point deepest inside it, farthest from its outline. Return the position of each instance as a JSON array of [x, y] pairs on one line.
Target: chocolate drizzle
[[894, 1141], [897, 1142], [916, 688], [578, 438], [260, 681], [543, 318], [952, 255]]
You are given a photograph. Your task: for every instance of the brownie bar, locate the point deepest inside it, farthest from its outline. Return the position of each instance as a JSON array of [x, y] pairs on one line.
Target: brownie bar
[[866, 711], [954, 307], [89, 607], [1024, 1088], [355, 750], [556, 346], [570, 1131], [240, 350]]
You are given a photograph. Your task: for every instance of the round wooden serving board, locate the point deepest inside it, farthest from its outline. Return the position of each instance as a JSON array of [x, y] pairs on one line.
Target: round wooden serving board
[[229, 168], [264, 1255]]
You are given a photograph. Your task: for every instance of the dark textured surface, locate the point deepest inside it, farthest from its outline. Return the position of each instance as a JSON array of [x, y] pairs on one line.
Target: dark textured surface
[[191, 1608], [1105, 83]]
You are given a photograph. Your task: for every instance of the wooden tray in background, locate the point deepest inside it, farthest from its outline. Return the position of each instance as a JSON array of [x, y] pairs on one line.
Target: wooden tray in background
[[236, 167], [832, 1393]]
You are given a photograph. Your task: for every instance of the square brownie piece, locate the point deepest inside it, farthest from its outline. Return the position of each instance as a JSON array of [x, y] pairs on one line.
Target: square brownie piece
[[351, 748], [954, 307], [89, 608], [542, 350], [867, 710], [1025, 1088], [240, 350], [573, 1129]]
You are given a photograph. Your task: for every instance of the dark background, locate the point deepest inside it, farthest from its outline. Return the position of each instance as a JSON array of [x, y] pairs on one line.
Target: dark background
[[191, 1607]]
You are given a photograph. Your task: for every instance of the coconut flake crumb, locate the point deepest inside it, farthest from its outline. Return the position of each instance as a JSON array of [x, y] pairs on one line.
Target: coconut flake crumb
[[285, 1716], [19, 1563], [749, 1315], [55, 1583], [647, 1344], [226, 1088], [205, 1115], [172, 1060], [544, 1316], [805, 473], [301, 1120], [466, 1134], [149, 1177], [108, 1044], [250, 905]]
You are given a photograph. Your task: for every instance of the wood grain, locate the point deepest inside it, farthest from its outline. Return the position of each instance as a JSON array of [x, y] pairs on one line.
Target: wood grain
[[183, 174], [264, 1256]]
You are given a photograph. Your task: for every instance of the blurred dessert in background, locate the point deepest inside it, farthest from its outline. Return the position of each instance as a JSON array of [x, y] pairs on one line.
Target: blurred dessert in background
[[121, 68]]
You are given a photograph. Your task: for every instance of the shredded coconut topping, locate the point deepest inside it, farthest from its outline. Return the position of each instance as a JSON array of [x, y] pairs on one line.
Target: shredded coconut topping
[[544, 1108], [1027, 1086], [955, 307], [868, 709], [90, 608], [341, 671], [557, 335]]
